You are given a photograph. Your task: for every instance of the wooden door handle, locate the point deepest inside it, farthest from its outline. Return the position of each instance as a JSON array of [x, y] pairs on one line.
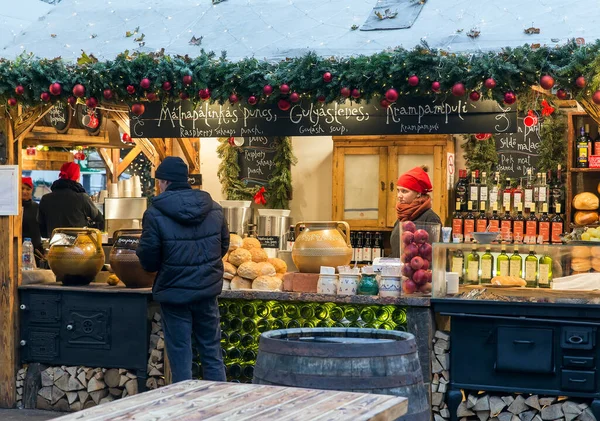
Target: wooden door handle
[[391, 186], [382, 186]]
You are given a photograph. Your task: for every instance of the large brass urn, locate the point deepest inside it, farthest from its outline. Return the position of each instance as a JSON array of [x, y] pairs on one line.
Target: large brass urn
[[321, 244], [125, 263], [75, 255]]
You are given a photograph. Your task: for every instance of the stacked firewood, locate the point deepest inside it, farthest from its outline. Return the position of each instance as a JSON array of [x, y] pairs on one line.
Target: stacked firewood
[[75, 388], [440, 367], [20, 382], [156, 352]]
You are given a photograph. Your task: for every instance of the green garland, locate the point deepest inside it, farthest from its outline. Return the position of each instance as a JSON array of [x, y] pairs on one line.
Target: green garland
[[553, 148], [480, 154], [279, 190], [513, 69]]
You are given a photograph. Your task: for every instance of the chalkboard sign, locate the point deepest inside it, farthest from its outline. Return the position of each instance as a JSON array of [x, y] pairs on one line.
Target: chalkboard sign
[[127, 242], [517, 152], [256, 158], [268, 242], [59, 117], [89, 119]]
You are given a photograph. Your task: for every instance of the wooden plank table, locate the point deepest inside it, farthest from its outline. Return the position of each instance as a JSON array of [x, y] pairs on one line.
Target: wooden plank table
[[203, 400]]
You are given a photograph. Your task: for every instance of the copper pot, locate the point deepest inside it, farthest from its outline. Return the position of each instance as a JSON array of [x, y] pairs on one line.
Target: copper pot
[[75, 255], [125, 263], [321, 244]]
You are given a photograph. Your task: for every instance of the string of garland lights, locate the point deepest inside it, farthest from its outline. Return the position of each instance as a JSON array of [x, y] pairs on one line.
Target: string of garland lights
[[385, 76]]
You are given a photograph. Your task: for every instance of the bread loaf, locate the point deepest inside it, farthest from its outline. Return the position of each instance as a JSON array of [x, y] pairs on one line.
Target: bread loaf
[[581, 265], [585, 217], [235, 242], [514, 281], [586, 201], [239, 256], [267, 283], [279, 265], [259, 255], [251, 243], [582, 252], [248, 270], [596, 264], [240, 283], [595, 251]]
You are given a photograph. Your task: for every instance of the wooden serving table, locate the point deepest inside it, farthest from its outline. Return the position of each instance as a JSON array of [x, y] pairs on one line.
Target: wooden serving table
[[203, 400]]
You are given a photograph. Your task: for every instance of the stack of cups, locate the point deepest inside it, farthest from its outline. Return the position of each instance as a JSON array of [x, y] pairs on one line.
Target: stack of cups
[[128, 187], [103, 194], [137, 186], [113, 190]]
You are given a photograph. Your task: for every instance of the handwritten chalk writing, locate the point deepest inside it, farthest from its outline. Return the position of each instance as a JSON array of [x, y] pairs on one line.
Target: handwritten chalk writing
[[519, 151]]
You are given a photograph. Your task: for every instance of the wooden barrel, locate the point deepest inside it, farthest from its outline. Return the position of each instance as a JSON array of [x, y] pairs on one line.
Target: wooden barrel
[[347, 359]]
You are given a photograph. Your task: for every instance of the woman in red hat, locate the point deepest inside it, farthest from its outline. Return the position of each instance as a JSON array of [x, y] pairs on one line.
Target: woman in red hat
[[413, 203], [68, 206], [30, 227]]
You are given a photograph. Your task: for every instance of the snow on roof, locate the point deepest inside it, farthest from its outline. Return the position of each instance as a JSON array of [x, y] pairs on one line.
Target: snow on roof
[[276, 29], [17, 15]]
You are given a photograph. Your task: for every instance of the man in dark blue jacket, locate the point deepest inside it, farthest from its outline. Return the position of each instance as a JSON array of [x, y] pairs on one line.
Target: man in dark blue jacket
[[184, 239]]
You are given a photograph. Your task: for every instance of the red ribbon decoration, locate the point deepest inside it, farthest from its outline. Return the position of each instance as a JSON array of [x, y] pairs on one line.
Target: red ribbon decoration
[[546, 108], [483, 136], [259, 197], [231, 141]]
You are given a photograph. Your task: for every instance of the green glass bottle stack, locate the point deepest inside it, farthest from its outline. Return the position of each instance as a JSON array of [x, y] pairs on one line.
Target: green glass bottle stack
[[243, 321]]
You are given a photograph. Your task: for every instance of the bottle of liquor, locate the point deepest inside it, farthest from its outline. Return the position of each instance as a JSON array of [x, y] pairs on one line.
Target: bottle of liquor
[[528, 191], [457, 221], [581, 149], [474, 189], [353, 245], [461, 191], [457, 264], [557, 190], [518, 195], [507, 194], [487, 266], [557, 227], [542, 192], [536, 189], [377, 246], [597, 143], [494, 221], [469, 222], [506, 226], [544, 224], [472, 268], [516, 263], [483, 189], [360, 244], [482, 221], [531, 226], [519, 225], [495, 192], [531, 269], [545, 270], [368, 248], [502, 264], [291, 237]]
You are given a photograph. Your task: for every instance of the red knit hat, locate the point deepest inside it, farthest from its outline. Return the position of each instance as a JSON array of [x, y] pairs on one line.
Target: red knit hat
[[70, 171], [27, 181], [416, 180]]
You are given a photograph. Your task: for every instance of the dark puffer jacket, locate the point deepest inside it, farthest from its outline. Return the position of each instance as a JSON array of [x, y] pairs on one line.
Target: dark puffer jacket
[[184, 239]]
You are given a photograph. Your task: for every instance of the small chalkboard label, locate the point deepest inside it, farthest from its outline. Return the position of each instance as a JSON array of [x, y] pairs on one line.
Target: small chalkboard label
[[517, 152], [256, 159], [269, 242], [127, 242], [195, 179], [59, 117]]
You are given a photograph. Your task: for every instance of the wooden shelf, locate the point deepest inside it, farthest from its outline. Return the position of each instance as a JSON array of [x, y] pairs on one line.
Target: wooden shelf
[[585, 169]]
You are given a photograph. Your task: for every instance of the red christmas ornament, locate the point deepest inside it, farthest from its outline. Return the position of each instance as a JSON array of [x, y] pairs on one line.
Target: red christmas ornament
[[413, 80], [483, 136], [72, 101], [166, 86], [126, 138], [204, 94], [79, 90], [91, 102], [489, 83], [12, 102], [231, 141], [391, 95], [19, 90], [294, 97], [252, 100], [580, 82], [284, 89], [233, 98], [55, 89], [138, 109], [458, 89], [596, 97], [510, 98], [327, 77], [187, 80], [436, 86], [45, 96], [530, 119], [474, 96], [321, 99], [107, 93], [145, 83], [183, 96], [384, 103], [151, 96], [345, 92], [284, 104], [267, 90], [355, 93], [562, 94], [547, 82], [130, 89]]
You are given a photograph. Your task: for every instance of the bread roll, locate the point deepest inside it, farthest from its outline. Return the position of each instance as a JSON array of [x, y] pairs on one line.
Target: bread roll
[[514, 281], [265, 269], [586, 201], [248, 270], [259, 255], [596, 264], [229, 268], [235, 242], [239, 256], [598, 188], [582, 252], [279, 265], [581, 265], [595, 251], [267, 283], [240, 283], [225, 258], [228, 276], [226, 284], [585, 217], [251, 243]]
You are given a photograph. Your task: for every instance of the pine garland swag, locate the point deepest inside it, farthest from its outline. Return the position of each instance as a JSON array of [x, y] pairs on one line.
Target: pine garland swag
[[553, 147], [279, 190], [480, 154]]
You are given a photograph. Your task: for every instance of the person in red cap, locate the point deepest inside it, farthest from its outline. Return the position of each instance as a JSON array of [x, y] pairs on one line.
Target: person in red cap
[[30, 227], [413, 203], [68, 206]]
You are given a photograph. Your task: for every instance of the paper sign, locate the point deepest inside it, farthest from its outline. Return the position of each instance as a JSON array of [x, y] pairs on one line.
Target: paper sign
[[9, 190]]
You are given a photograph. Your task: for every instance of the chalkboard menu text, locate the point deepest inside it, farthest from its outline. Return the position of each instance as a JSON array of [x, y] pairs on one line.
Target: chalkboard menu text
[[519, 151], [256, 159], [59, 117]]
